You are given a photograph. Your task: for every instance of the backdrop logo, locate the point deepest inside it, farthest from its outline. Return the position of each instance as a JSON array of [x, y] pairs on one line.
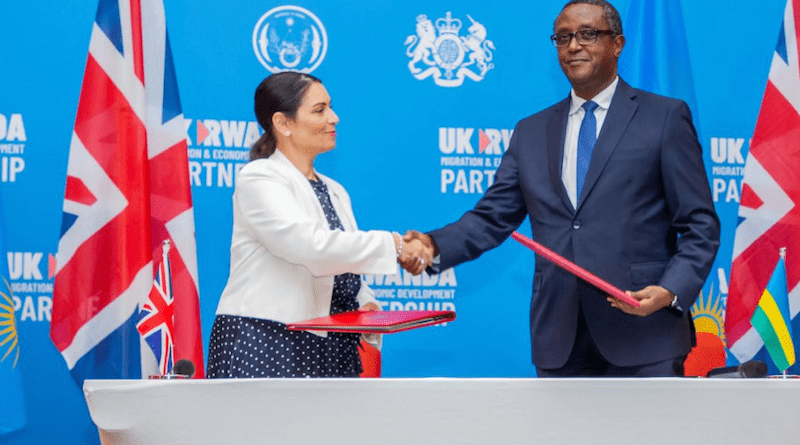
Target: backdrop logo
[[445, 55], [727, 168], [220, 148], [290, 38], [405, 292], [31, 275], [470, 157], [12, 146]]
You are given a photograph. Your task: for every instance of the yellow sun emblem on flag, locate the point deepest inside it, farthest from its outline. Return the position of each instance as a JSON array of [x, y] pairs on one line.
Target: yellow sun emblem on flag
[[8, 326], [709, 349], [707, 312]]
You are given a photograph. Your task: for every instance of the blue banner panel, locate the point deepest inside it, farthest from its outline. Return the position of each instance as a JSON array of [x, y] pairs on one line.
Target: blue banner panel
[[428, 93]]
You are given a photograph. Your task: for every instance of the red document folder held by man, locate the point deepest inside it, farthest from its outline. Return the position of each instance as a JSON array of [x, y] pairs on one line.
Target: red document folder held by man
[[381, 322], [574, 269]]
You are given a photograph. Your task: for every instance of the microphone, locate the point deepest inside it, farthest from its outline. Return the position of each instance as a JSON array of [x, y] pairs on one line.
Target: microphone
[[183, 369], [748, 370]]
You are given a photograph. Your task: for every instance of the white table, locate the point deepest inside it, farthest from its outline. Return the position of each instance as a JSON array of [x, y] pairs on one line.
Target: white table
[[446, 411]]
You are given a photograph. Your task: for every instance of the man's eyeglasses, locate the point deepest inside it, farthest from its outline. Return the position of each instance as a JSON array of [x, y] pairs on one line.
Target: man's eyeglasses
[[584, 37]]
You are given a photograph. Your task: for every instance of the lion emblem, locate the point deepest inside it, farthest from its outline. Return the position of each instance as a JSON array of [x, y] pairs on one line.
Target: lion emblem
[[420, 46]]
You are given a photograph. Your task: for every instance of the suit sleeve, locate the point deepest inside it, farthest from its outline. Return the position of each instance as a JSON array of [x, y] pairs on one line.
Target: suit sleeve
[[271, 214], [689, 201], [498, 213]]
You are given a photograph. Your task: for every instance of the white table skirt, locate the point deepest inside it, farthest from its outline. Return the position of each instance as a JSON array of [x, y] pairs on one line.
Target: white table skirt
[[446, 411]]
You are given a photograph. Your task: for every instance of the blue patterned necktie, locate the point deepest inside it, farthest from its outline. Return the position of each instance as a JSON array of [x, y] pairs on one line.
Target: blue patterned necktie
[[587, 136]]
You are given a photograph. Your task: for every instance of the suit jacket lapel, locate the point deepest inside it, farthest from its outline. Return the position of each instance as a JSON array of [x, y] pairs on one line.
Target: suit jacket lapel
[[556, 132], [620, 113]]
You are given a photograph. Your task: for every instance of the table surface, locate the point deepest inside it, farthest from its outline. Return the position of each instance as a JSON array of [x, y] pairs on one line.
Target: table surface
[[442, 410]]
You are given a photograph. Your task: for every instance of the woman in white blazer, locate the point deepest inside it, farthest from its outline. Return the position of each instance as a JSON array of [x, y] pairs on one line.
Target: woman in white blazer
[[296, 252]]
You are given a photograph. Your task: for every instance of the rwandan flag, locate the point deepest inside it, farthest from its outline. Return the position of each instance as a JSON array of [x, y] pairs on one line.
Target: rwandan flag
[[771, 319]]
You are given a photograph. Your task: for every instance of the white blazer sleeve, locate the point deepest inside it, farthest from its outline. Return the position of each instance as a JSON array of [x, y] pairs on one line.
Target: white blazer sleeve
[[275, 215], [366, 295]]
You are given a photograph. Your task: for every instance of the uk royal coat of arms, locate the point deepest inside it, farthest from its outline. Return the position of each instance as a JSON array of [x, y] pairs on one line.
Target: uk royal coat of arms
[[440, 52]]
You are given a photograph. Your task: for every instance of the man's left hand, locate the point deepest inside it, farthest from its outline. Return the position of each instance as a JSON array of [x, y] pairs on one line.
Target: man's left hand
[[651, 299]]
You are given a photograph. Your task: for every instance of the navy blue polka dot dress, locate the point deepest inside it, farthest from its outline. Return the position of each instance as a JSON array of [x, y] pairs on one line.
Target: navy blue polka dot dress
[[243, 347]]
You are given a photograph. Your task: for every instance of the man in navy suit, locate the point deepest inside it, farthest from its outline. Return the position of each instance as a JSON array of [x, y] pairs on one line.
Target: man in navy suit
[[613, 179]]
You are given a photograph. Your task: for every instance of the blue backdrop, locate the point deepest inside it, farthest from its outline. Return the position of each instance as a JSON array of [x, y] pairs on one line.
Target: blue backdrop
[[419, 140]]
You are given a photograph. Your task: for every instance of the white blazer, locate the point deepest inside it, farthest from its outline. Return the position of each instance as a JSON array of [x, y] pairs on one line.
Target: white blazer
[[283, 254]]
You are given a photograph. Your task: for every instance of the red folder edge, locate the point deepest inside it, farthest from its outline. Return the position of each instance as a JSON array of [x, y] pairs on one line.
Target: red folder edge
[[381, 322], [574, 269]]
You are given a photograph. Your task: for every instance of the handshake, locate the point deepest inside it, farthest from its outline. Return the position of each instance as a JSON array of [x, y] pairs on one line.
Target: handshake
[[415, 251]]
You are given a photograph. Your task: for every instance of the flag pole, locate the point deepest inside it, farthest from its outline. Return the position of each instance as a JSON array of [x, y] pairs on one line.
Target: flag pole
[[167, 266], [165, 245], [782, 253]]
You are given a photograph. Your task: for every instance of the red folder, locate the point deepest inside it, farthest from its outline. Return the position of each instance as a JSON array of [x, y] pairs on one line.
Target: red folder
[[382, 322], [574, 269]]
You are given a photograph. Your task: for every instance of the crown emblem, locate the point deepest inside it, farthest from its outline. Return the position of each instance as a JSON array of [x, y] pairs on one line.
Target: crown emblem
[[448, 25], [437, 50]]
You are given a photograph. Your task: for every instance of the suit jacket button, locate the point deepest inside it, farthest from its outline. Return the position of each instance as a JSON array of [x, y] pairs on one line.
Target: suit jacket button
[[576, 224]]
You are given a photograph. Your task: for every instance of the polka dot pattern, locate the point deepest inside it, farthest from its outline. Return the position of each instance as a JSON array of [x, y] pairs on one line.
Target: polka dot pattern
[[345, 286], [244, 347]]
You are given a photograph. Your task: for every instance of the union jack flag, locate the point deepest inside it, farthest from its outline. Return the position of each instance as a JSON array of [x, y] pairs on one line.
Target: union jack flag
[[769, 210], [155, 317], [127, 189]]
